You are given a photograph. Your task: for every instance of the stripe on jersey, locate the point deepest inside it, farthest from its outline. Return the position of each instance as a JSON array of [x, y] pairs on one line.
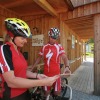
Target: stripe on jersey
[[57, 51], [62, 51], [6, 56], [6, 64]]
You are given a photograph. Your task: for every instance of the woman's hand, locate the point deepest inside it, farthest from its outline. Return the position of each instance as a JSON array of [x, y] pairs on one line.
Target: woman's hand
[[50, 80]]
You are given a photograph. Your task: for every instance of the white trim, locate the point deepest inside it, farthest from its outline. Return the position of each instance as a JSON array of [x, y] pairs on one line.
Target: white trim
[[4, 59]]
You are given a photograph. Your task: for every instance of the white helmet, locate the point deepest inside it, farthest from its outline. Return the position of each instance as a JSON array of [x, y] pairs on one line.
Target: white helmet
[[17, 27], [54, 33]]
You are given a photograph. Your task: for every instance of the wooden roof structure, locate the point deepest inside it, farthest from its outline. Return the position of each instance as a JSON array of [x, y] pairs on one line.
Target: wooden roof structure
[[78, 18]]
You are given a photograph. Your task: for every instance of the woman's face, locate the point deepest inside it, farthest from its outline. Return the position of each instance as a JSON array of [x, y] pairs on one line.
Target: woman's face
[[20, 41]]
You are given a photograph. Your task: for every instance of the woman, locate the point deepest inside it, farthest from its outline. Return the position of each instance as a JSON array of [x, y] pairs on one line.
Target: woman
[[14, 75]]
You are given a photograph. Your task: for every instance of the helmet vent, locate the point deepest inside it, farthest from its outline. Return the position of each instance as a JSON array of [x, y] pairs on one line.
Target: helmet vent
[[13, 25], [19, 24], [23, 23]]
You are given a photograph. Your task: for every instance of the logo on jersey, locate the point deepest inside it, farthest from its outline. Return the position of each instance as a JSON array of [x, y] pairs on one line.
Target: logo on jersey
[[3, 67], [48, 56]]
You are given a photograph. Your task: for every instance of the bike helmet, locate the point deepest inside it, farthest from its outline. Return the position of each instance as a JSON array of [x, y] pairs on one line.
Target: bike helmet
[[54, 33], [17, 27]]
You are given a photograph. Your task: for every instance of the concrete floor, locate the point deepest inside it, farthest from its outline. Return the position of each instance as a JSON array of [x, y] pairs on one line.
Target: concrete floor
[[82, 82]]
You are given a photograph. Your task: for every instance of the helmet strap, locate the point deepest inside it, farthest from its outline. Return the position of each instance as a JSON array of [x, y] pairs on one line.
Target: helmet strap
[[13, 40], [10, 34]]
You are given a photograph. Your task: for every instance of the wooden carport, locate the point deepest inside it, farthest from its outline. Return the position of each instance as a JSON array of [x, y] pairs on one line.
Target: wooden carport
[[78, 18]]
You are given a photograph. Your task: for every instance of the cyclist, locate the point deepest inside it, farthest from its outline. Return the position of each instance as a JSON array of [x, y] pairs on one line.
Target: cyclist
[[51, 53], [13, 66]]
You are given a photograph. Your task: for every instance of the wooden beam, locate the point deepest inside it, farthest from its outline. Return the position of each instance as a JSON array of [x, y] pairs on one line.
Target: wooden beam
[[47, 7], [69, 5]]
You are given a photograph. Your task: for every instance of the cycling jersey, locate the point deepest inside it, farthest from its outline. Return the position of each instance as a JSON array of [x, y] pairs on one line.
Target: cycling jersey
[[51, 55], [11, 60]]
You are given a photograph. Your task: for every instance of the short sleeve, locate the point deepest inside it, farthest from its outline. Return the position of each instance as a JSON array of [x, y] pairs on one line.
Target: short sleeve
[[61, 50], [6, 63]]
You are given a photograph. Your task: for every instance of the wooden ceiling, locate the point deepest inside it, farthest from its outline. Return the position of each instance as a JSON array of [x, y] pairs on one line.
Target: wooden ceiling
[[35, 7], [82, 26]]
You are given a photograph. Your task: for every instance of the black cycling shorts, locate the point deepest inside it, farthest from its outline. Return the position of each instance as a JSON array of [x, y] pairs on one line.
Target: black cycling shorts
[[24, 96]]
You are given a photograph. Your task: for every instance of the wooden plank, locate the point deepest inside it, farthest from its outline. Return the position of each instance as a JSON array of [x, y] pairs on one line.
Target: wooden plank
[[75, 13], [98, 7], [93, 8], [87, 10], [80, 11], [70, 15]]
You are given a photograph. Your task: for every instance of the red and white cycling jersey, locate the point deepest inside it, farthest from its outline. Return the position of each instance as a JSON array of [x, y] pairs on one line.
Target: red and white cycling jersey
[[51, 55], [11, 60]]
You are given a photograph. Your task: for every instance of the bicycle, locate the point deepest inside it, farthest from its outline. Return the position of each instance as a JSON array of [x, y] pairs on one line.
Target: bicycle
[[37, 93]]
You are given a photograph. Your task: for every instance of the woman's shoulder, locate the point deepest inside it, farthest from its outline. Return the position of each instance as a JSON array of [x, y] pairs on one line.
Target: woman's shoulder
[[5, 48]]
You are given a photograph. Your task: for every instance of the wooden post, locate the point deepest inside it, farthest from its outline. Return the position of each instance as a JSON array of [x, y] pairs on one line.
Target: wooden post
[[84, 51], [97, 54]]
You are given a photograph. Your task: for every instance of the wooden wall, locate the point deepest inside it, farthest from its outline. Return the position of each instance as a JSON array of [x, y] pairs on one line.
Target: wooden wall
[[44, 23], [5, 13]]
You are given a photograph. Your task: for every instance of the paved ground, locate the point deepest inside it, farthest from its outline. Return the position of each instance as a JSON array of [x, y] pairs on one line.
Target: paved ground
[[82, 82], [78, 95]]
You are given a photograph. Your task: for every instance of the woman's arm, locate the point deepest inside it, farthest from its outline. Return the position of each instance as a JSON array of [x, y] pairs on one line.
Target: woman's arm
[[18, 82], [35, 75]]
